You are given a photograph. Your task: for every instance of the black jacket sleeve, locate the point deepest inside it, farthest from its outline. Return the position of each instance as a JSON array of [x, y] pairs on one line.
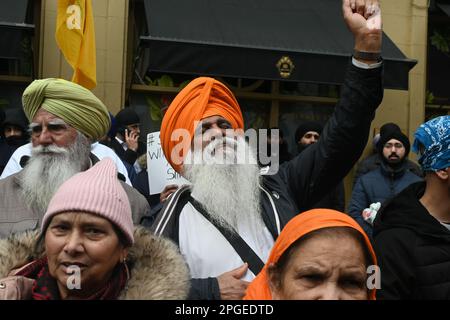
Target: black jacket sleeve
[[318, 169], [395, 259], [204, 289]]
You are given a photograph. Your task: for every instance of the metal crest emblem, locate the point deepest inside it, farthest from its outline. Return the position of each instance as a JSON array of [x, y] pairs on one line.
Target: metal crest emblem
[[285, 67]]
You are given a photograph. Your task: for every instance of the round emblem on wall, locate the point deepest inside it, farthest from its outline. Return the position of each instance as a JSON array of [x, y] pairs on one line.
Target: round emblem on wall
[[285, 67]]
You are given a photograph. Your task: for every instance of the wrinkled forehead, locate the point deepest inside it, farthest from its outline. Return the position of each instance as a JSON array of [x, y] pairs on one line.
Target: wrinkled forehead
[[43, 115], [212, 119], [79, 217], [207, 122]]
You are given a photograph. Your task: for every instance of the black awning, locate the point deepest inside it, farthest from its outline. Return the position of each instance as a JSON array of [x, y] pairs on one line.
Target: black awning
[[248, 39], [14, 14]]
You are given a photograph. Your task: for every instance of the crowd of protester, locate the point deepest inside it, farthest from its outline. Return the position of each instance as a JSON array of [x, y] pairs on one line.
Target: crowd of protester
[[77, 220]]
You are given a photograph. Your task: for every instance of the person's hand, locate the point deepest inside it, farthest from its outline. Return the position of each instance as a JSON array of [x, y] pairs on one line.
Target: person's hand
[[230, 284], [363, 18], [131, 139], [168, 190]]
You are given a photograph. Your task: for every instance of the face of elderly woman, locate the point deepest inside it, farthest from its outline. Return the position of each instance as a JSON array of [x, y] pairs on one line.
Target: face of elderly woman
[[87, 241], [325, 266]]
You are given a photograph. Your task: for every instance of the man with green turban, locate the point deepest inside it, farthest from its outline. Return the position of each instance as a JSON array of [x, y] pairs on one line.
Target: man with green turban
[[65, 119], [76, 105]]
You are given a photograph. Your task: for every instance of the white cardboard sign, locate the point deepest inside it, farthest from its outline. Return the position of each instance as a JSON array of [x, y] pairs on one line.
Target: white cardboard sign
[[160, 172]]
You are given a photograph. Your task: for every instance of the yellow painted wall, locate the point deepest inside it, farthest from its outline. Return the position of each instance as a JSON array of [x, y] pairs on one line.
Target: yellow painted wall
[[111, 20]]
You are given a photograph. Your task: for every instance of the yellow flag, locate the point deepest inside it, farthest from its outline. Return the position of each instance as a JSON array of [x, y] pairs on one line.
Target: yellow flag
[[75, 37]]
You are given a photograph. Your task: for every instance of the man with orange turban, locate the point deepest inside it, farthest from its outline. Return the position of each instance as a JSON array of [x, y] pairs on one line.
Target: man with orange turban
[[226, 222]]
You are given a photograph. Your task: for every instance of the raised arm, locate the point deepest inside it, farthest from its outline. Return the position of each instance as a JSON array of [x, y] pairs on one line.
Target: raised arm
[[320, 167]]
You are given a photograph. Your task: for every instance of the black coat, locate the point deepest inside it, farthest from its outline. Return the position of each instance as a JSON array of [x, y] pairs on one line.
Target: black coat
[[128, 155], [413, 249], [335, 199], [303, 181], [374, 161], [378, 185]]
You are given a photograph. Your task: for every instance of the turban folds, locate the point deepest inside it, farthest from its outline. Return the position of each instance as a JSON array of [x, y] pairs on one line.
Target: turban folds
[[298, 227], [434, 136], [76, 105], [201, 98]]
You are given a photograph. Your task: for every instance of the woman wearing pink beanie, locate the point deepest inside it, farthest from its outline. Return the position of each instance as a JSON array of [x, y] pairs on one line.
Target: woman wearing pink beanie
[[88, 248]]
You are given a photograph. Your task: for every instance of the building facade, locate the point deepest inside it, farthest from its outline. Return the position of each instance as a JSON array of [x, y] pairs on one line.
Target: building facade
[[265, 103]]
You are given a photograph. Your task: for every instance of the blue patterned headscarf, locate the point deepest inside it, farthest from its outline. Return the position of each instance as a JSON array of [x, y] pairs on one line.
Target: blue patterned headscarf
[[432, 143]]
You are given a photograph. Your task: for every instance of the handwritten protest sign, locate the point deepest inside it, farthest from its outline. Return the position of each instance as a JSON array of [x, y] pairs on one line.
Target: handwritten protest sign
[[160, 172]]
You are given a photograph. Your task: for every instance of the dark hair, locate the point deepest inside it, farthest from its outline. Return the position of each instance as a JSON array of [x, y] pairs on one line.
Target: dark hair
[[280, 266], [122, 238]]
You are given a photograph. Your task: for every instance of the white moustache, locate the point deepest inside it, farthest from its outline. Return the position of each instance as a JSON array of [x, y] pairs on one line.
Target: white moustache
[[40, 150]]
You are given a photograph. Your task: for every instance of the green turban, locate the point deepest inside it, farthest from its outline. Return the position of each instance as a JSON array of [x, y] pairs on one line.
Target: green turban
[[76, 105]]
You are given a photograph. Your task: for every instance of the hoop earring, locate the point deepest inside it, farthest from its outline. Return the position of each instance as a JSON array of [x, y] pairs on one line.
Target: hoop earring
[[124, 261]]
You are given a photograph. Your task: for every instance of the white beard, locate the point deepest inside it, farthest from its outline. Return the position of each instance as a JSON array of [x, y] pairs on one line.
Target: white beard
[[49, 167], [229, 192]]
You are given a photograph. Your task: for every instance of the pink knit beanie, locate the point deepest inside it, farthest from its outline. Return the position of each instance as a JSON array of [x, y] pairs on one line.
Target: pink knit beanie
[[95, 191]]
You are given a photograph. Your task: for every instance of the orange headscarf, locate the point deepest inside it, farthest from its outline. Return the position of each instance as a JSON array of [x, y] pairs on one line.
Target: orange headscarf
[[201, 98], [298, 227]]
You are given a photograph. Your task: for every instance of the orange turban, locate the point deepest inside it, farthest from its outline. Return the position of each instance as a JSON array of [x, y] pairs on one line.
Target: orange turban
[[201, 98], [298, 227]]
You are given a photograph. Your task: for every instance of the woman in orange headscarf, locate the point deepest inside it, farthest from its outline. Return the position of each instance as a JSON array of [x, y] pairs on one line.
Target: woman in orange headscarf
[[320, 254]]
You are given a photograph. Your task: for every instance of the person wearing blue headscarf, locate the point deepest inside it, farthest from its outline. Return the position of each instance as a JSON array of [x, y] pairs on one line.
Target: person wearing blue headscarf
[[412, 230], [432, 143]]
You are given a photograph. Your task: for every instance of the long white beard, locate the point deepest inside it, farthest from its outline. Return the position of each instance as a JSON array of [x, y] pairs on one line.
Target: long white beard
[[229, 192], [49, 167]]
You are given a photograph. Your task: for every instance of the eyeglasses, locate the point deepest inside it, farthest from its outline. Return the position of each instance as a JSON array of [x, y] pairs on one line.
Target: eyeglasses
[[393, 145], [55, 128]]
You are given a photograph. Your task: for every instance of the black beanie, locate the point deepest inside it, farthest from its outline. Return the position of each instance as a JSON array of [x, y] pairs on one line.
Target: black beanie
[[16, 117], [305, 127], [390, 126], [393, 133], [126, 117]]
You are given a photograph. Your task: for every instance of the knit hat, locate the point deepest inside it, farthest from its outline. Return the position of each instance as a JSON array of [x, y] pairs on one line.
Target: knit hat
[[393, 133], [16, 117], [95, 191], [126, 117], [305, 127], [387, 127]]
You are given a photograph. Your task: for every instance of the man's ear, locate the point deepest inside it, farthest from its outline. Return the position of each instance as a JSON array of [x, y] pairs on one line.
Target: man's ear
[[443, 174]]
